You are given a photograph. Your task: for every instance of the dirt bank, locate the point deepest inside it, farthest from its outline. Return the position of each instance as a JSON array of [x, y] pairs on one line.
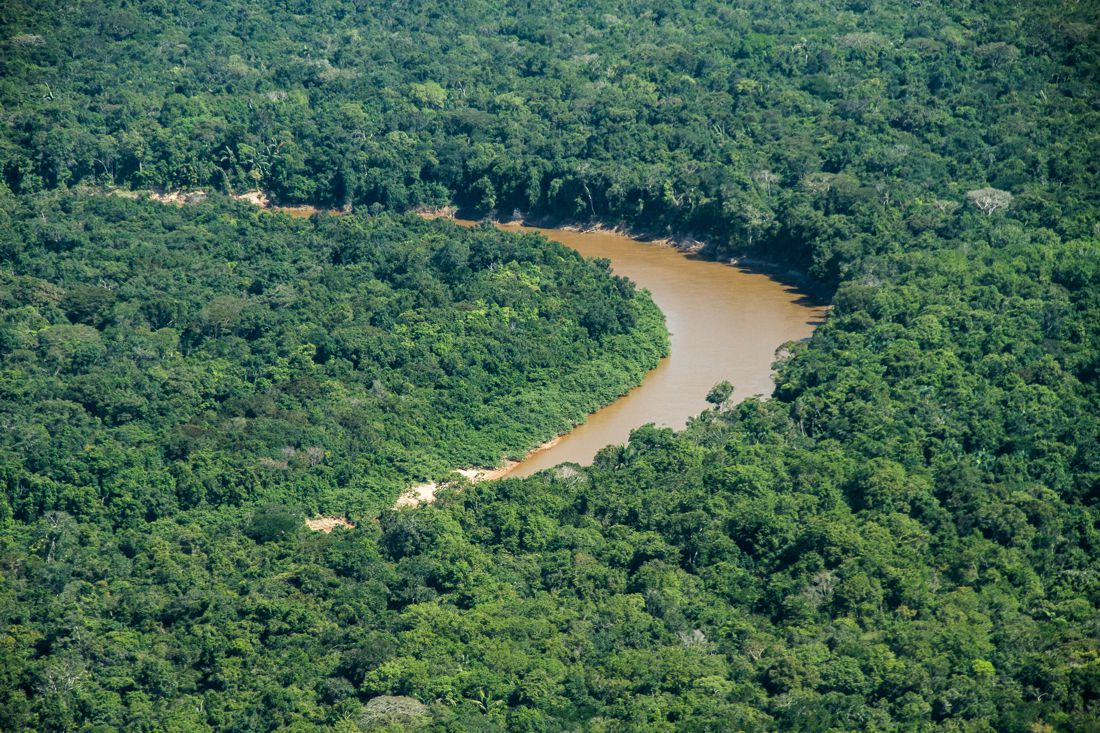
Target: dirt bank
[[327, 524], [425, 493]]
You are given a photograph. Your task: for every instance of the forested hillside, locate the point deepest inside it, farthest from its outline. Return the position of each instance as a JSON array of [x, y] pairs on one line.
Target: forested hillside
[[904, 537]]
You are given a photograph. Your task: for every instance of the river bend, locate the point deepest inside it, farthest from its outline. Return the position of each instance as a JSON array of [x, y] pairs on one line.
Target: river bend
[[724, 322]]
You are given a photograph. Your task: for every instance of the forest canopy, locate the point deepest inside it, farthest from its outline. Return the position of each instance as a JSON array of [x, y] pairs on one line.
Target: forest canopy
[[161, 359], [819, 132], [904, 537]]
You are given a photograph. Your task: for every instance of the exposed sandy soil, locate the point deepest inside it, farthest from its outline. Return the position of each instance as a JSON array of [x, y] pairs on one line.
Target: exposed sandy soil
[[302, 212], [417, 495], [179, 198], [256, 198], [425, 493], [327, 524]]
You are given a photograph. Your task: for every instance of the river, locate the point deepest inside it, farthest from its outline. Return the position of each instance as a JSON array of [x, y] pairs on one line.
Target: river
[[724, 322]]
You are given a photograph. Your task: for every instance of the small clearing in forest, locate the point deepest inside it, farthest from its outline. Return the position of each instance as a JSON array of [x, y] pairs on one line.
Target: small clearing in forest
[[327, 524]]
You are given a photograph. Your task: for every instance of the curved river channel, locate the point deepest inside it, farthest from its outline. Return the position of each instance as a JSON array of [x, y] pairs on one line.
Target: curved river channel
[[724, 322]]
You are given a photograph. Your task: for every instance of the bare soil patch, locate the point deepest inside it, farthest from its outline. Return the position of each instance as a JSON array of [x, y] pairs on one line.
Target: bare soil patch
[[425, 493], [327, 524], [256, 198]]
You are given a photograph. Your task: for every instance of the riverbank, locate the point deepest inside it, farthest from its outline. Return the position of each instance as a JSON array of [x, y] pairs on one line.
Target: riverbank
[[712, 349], [631, 342], [181, 197], [690, 244], [726, 323], [694, 245], [425, 493]]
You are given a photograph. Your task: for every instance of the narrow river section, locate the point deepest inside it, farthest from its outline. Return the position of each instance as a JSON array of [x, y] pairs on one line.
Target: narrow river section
[[724, 322]]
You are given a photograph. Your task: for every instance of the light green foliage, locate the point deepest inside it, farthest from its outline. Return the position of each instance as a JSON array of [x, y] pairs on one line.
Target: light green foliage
[[904, 538], [241, 355]]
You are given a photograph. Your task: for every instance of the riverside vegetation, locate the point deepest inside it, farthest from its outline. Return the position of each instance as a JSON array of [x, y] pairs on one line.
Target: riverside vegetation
[[904, 537]]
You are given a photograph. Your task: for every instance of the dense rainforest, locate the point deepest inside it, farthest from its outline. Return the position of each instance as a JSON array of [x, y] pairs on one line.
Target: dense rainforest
[[905, 536], [160, 358]]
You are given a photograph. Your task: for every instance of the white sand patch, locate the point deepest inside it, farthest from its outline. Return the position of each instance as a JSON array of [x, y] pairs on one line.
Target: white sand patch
[[256, 198], [425, 493], [417, 495]]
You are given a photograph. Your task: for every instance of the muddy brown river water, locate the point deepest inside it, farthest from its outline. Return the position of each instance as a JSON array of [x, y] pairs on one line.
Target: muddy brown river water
[[724, 322]]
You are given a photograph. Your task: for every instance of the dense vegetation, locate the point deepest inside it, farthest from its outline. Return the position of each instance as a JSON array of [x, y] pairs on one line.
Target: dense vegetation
[[158, 359], [904, 538], [821, 132]]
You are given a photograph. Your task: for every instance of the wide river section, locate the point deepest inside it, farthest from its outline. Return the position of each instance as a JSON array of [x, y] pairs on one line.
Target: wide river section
[[725, 323]]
